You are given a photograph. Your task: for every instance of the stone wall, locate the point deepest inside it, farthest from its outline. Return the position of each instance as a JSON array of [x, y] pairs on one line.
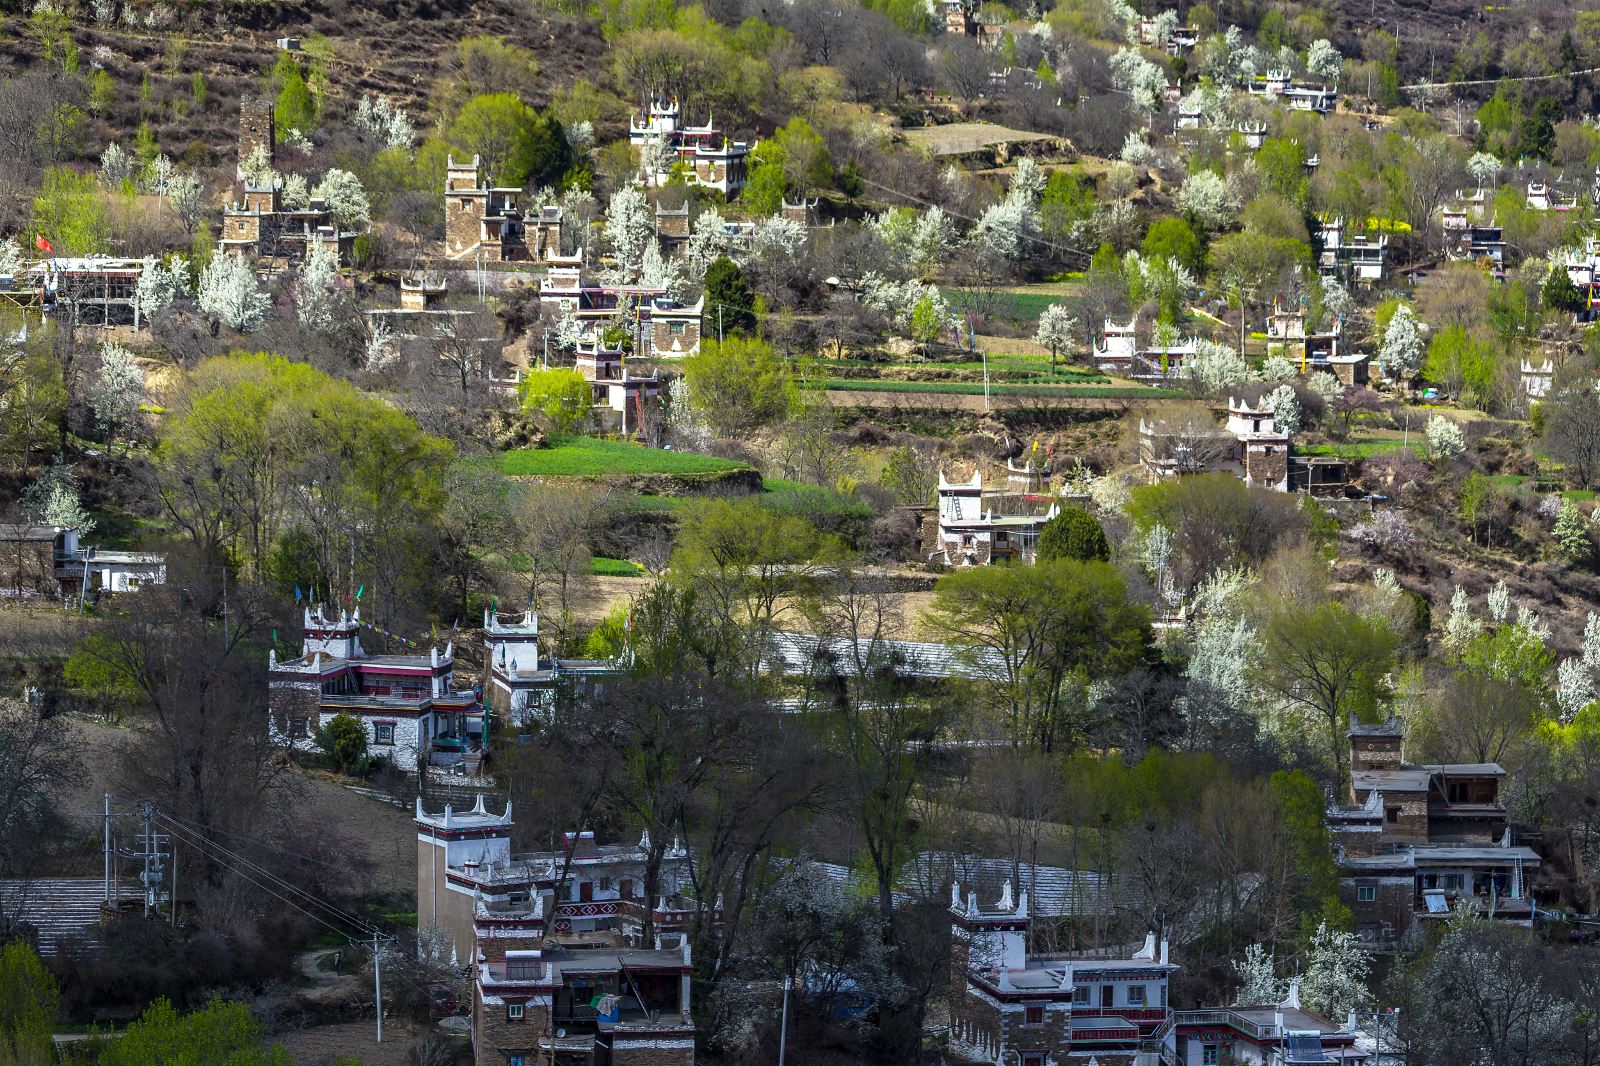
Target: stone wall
[[496, 1036], [463, 226], [257, 127]]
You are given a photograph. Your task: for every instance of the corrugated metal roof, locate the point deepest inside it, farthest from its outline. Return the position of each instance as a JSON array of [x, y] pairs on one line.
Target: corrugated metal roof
[[796, 652], [1053, 891], [59, 910]]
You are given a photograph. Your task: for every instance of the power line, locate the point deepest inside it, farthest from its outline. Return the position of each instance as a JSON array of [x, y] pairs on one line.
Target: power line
[[1497, 81]]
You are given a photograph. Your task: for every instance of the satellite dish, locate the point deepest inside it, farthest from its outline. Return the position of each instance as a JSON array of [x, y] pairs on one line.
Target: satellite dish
[[561, 1034]]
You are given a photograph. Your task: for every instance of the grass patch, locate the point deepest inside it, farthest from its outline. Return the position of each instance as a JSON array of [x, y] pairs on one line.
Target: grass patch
[[600, 566], [1018, 308], [587, 457], [963, 388], [799, 498], [1364, 449], [1030, 369]]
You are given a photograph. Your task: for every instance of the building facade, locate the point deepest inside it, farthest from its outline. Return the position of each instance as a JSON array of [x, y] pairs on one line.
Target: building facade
[[1119, 352], [489, 222], [977, 527], [570, 961], [407, 705], [1249, 445], [665, 148], [1413, 842]]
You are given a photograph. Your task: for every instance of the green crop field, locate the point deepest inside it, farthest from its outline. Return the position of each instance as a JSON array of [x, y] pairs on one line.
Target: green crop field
[[587, 457], [601, 566], [963, 388], [1364, 449], [1019, 308]]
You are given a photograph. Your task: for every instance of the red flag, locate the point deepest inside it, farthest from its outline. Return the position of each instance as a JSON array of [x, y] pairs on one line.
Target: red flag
[[43, 245]]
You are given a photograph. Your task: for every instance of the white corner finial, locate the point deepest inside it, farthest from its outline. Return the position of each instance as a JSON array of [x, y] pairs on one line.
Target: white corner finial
[[972, 904], [433, 656], [450, 648], [477, 808], [1292, 1000], [272, 658], [644, 841], [1148, 952], [1066, 979], [1006, 902], [1163, 951], [506, 817], [1022, 904], [955, 895], [419, 808]]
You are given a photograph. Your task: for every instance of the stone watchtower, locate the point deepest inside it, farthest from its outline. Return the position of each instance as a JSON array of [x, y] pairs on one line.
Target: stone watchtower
[[257, 128]]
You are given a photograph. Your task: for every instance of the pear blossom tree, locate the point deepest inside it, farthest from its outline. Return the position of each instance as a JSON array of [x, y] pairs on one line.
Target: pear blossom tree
[[53, 500], [11, 261], [933, 238], [1336, 973], [386, 124], [379, 353], [1401, 349], [230, 293], [156, 175], [1205, 196], [117, 389], [314, 292], [1460, 627], [186, 197], [1056, 327], [1499, 601], [346, 199], [629, 229], [160, 283], [116, 166], [1214, 367], [296, 193], [1277, 368], [1258, 983], [1574, 687], [1483, 168], [1444, 438], [708, 241], [1141, 79], [1323, 59], [1135, 149], [1285, 408], [256, 169]]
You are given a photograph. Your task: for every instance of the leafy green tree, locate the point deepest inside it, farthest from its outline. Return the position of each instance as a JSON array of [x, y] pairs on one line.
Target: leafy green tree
[[1068, 199], [70, 213], [296, 108], [1303, 809], [806, 162], [764, 193], [561, 395], [1572, 533], [1282, 163], [220, 1034], [344, 741], [513, 141], [739, 384], [927, 323], [1464, 365], [749, 567], [729, 301], [1330, 661], [909, 477], [29, 1003], [1073, 534], [1047, 626], [1559, 293], [1174, 238]]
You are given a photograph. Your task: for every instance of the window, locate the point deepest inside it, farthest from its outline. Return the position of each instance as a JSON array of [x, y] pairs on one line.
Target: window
[[1391, 815], [1033, 1058], [297, 727], [515, 1060], [676, 328], [1366, 893], [1033, 1016], [513, 1012], [1210, 1054], [383, 733], [605, 884], [1136, 995], [1080, 994]]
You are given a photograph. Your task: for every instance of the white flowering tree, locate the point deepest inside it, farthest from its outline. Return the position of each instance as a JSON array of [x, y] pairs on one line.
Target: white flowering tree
[[1323, 59], [1277, 368], [1141, 79], [156, 175], [11, 261], [230, 293], [777, 237], [386, 124], [658, 271], [1056, 327], [1401, 349], [116, 166], [1591, 642], [186, 197], [1214, 367], [160, 283], [1205, 196], [1135, 149], [708, 241], [314, 288], [1336, 299], [1444, 438], [1461, 626], [1499, 601], [1336, 973], [1325, 385], [117, 389], [380, 352], [1483, 168], [1259, 985], [256, 169], [346, 199], [933, 238], [1285, 408], [295, 191], [53, 500], [629, 228], [1574, 687]]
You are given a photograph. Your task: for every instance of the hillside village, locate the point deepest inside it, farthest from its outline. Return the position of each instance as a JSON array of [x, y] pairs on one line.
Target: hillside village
[[538, 533]]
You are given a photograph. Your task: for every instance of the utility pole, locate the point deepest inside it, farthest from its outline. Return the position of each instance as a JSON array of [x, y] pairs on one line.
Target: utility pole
[[377, 983], [172, 889], [783, 1025], [106, 849], [719, 325]]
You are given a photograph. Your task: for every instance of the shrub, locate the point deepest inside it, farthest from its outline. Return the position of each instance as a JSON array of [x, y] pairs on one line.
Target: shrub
[[344, 741], [1073, 534]]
